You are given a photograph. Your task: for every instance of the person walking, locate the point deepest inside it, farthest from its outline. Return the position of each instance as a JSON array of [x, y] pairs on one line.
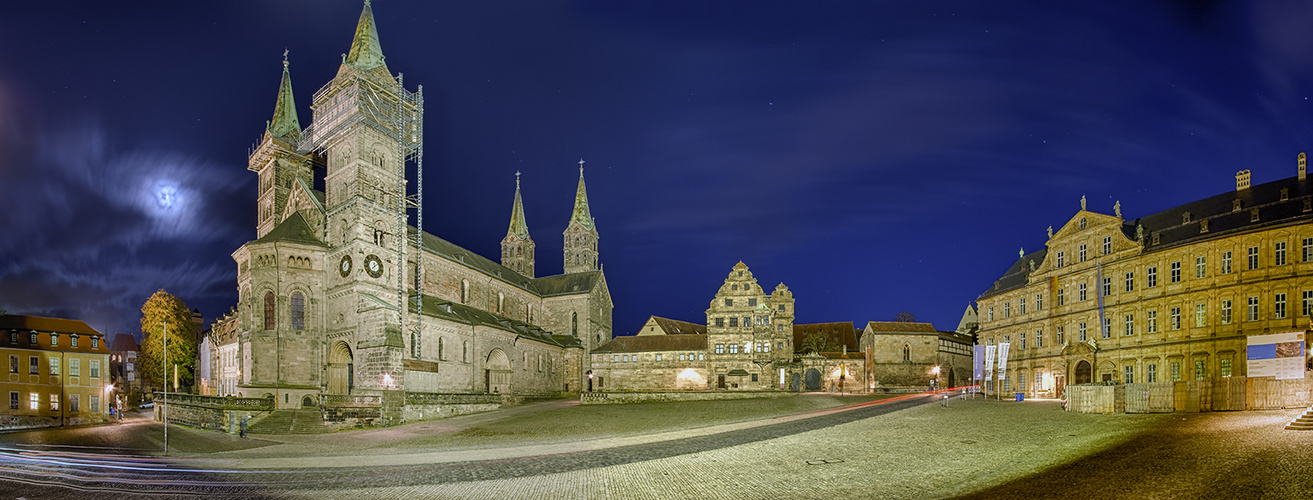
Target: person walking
[[243, 426]]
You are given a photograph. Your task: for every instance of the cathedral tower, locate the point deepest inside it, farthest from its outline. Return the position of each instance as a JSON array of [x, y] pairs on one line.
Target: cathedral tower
[[581, 233], [276, 160], [517, 246]]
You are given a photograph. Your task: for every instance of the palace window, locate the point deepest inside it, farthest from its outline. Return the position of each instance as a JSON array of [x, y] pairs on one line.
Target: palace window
[[465, 351], [1279, 306], [95, 342], [1308, 249], [733, 348], [733, 322], [1021, 341], [1039, 338], [1081, 292], [442, 350], [1253, 309], [746, 321], [73, 340], [1226, 312], [298, 311], [1060, 259], [13, 363], [1130, 325], [1224, 367], [1107, 328], [1279, 254], [73, 403], [1130, 374], [1007, 309], [1175, 369], [1200, 267], [54, 339], [1200, 315], [1152, 370], [720, 321], [1175, 318], [1021, 305], [1226, 262], [1153, 276], [54, 366], [95, 368], [33, 365], [1200, 370], [720, 348], [1130, 281], [574, 324], [1308, 303], [1039, 301], [270, 314], [1081, 331], [1151, 320], [1107, 245], [33, 401], [1176, 272], [1057, 333], [752, 302], [991, 313], [1062, 296], [1253, 258], [729, 302], [781, 307], [1107, 286], [1082, 252], [74, 368], [13, 400]]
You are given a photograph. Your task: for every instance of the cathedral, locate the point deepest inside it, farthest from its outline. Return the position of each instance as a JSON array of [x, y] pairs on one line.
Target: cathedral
[[340, 296]]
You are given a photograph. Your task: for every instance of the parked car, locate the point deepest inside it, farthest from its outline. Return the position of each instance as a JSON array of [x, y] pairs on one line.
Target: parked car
[[148, 404]]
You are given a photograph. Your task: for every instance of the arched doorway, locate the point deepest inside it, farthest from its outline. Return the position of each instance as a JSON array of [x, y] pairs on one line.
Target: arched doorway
[[1084, 373], [952, 378], [813, 379], [307, 402], [341, 371], [497, 373], [797, 382]]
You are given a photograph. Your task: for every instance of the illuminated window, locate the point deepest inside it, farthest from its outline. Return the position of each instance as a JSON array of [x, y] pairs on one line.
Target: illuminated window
[[1152, 370], [1279, 254], [54, 402], [1226, 262], [1200, 315], [1253, 309], [33, 401], [1200, 267], [269, 311], [1225, 367], [1175, 368], [1279, 306], [1200, 370], [54, 366], [1175, 318], [720, 348], [13, 363]]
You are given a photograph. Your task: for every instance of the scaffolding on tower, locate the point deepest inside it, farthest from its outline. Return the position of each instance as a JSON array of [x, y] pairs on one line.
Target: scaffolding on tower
[[345, 104]]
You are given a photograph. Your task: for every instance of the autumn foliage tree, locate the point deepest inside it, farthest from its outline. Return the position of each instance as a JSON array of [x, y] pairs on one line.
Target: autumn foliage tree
[[160, 308]]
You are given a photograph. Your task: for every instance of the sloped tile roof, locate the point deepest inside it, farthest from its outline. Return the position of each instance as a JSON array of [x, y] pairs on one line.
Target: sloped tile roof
[[690, 342], [677, 327], [879, 327], [293, 229]]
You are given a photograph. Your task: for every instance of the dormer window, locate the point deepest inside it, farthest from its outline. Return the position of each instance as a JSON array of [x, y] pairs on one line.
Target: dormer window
[[1235, 205], [1253, 215], [1082, 223], [1285, 194], [1155, 238], [1185, 218], [1203, 226]]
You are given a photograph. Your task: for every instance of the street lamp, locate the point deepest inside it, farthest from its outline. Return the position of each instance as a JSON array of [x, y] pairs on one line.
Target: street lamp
[[935, 371]]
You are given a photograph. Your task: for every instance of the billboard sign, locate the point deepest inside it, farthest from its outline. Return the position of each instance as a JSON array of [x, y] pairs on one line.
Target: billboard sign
[[1279, 355]]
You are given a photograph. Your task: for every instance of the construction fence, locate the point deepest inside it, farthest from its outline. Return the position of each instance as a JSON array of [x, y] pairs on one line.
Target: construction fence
[[1225, 394]]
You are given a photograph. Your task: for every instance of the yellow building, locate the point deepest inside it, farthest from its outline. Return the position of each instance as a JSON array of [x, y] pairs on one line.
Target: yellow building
[[58, 372], [1171, 296]]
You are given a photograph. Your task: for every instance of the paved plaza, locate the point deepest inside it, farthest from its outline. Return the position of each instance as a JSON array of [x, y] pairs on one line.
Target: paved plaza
[[904, 448]]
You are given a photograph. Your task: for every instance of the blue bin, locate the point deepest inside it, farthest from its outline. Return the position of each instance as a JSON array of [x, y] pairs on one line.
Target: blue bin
[[1021, 396]]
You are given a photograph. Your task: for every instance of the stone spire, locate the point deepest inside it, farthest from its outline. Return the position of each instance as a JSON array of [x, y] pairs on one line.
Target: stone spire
[[517, 247], [518, 227], [284, 121], [581, 213], [365, 51]]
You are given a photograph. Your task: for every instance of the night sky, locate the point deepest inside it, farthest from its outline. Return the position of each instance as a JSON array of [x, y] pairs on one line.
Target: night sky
[[876, 157]]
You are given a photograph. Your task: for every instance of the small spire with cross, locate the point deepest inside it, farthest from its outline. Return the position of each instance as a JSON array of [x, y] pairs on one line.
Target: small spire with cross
[[517, 179], [285, 57], [581, 167]]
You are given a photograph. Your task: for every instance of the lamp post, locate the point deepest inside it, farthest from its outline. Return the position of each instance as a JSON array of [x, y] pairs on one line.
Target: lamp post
[[935, 371], [165, 410]]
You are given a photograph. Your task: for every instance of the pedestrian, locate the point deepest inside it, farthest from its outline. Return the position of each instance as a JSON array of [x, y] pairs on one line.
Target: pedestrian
[[944, 402], [243, 425]]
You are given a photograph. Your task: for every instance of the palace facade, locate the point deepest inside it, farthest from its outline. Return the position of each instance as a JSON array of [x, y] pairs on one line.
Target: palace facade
[[1170, 296], [59, 371], [339, 296]]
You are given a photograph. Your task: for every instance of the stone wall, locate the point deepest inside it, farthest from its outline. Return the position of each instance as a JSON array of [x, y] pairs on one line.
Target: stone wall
[[211, 412], [427, 406], [612, 398], [18, 422]]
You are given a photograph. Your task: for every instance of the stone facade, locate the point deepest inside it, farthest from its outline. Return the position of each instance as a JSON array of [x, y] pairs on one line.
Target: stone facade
[[335, 298], [906, 355], [1170, 296]]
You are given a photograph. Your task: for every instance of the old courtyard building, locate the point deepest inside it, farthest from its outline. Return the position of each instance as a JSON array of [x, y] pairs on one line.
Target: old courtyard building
[[1170, 296], [58, 372], [340, 296]]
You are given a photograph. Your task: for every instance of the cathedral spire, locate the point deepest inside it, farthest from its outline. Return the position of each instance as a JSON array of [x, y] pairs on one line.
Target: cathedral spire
[[365, 51], [518, 227], [581, 213], [284, 121]]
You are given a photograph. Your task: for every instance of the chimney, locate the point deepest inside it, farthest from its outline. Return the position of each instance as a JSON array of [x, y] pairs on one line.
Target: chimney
[[1303, 166], [1242, 180]]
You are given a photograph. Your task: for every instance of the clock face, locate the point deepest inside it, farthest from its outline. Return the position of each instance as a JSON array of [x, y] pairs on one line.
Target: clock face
[[374, 266], [346, 265]]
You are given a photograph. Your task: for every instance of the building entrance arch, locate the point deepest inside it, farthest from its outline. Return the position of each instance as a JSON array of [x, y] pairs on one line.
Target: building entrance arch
[[497, 372], [1084, 373], [341, 370], [813, 380]]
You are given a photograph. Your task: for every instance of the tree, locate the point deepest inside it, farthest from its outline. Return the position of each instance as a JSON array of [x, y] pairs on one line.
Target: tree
[[163, 306], [904, 317], [816, 342]]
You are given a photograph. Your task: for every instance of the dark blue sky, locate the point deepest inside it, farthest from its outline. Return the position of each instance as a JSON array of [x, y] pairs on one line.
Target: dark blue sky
[[876, 157]]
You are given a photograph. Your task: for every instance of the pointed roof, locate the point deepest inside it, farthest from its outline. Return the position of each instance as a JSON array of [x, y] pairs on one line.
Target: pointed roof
[[284, 121], [365, 52], [581, 213], [292, 229], [518, 227]]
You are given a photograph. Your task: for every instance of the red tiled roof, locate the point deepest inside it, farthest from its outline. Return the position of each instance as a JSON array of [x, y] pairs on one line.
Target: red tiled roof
[[24, 325], [123, 343], [900, 327], [677, 327], [688, 342]]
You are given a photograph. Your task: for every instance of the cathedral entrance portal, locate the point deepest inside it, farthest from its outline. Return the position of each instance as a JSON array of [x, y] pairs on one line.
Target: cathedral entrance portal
[[497, 373], [813, 380], [1084, 373], [340, 369]]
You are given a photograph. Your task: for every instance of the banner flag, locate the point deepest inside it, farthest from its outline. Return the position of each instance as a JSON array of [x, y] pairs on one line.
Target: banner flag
[[989, 361], [1003, 361], [978, 362]]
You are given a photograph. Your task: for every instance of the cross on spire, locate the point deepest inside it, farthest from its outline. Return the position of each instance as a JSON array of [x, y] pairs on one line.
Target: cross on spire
[[581, 167]]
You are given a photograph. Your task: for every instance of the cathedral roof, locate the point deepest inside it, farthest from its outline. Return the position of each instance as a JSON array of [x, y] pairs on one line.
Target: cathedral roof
[[365, 51], [654, 343], [284, 123], [566, 284], [561, 284], [461, 313], [519, 227], [293, 229]]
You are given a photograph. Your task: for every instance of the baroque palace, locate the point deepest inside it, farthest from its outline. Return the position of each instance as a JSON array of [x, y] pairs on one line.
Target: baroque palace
[[1166, 297], [340, 296]]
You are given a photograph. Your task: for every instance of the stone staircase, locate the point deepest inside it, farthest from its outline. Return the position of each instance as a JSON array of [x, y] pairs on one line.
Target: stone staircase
[[291, 422], [1303, 422]]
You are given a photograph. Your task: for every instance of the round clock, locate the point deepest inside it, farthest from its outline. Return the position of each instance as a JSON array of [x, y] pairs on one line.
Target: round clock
[[373, 266], [345, 268]]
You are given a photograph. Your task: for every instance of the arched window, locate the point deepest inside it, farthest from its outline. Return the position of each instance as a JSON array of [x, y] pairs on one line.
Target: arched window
[[298, 311], [465, 351], [574, 324], [907, 353], [464, 291], [501, 301], [270, 312], [442, 353]]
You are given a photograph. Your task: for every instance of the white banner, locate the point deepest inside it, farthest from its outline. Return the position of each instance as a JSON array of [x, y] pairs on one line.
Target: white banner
[[1279, 355], [1002, 362], [989, 362]]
